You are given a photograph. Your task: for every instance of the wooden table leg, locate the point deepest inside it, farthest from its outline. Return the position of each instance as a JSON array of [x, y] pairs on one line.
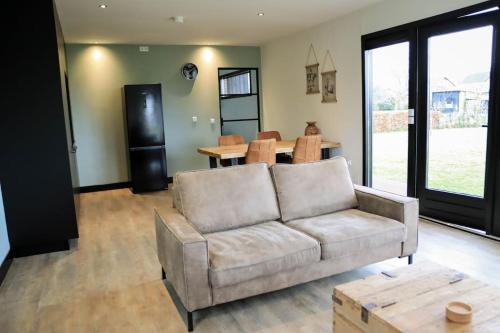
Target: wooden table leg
[[213, 162]]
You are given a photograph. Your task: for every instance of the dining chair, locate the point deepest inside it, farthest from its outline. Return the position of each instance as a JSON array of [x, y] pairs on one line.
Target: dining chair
[[307, 149], [269, 135], [229, 140], [261, 151], [282, 157]]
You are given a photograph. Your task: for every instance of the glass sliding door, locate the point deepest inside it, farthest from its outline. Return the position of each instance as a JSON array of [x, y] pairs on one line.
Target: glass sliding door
[[458, 93], [387, 114], [431, 104], [456, 70]]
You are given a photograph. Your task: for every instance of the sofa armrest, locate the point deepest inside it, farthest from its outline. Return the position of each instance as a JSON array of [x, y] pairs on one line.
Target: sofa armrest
[[183, 254], [396, 207]]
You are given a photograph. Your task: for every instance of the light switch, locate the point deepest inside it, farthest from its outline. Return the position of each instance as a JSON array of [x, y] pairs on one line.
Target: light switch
[[212, 120], [195, 119]]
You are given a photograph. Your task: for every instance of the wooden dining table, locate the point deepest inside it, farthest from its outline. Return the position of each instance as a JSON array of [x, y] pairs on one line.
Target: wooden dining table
[[234, 153]]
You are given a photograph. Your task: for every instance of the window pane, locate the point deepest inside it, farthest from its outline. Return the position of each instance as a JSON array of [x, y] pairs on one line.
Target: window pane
[[458, 96], [248, 129], [237, 84], [240, 108], [387, 77]]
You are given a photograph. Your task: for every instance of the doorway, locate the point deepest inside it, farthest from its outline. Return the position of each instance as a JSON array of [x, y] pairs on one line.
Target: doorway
[[387, 105], [455, 86], [429, 114], [239, 102]]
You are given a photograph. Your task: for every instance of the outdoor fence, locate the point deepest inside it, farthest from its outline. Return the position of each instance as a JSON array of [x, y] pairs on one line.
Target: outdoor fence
[[397, 120]]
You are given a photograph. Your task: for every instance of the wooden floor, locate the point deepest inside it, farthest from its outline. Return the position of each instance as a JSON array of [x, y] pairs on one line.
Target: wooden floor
[[110, 280]]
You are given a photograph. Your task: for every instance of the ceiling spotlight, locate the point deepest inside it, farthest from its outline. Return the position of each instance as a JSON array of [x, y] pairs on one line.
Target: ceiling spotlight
[[103, 6], [260, 14], [177, 19]]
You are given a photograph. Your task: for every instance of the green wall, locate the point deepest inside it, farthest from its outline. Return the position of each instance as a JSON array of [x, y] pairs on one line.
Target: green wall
[[97, 74]]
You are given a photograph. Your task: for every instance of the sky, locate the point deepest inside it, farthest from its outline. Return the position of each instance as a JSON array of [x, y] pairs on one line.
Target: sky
[[454, 56]]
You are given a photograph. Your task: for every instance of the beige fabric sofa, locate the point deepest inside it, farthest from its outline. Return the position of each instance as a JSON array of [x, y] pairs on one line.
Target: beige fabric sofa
[[246, 230]]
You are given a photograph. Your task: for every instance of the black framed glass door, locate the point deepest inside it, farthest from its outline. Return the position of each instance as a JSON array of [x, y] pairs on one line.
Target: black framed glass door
[[389, 103], [453, 92], [239, 102], [455, 84]]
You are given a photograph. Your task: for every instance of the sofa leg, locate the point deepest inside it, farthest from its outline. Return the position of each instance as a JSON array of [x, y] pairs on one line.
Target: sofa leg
[[410, 259], [163, 275], [189, 321]]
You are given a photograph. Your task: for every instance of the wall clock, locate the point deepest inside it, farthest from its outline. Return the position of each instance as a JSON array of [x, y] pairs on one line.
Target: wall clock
[[189, 71]]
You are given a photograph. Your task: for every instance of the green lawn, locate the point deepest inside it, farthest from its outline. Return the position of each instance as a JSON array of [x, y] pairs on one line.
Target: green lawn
[[456, 160]]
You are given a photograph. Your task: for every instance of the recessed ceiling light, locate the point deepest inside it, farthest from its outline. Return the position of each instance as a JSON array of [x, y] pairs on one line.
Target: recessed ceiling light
[[103, 6], [177, 19], [260, 14]]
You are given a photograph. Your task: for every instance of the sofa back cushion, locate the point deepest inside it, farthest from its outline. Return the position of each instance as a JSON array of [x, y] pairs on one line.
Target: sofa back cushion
[[227, 198], [312, 189]]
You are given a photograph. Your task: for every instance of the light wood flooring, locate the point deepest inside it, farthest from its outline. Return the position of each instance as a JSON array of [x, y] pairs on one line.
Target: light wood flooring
[[110, 280]]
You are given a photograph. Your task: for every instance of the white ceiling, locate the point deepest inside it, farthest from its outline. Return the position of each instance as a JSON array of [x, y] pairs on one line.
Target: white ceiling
[[206, 22]]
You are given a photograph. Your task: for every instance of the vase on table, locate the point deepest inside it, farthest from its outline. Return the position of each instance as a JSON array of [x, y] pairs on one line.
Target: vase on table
[[311, 128]]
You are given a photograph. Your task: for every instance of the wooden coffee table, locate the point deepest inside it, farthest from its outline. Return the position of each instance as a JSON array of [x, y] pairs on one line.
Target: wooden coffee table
[[414, 299]]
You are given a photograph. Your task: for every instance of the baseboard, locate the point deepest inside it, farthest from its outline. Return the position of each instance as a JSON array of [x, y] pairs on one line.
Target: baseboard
[[104, 187], [461, 228], [4, 267], [30, 250], [107, 187]]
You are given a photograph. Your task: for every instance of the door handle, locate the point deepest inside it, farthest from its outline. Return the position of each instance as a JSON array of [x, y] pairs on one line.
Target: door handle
[[411, 116]]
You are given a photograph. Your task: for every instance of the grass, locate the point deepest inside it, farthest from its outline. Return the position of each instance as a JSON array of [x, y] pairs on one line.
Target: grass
[[456, 159]]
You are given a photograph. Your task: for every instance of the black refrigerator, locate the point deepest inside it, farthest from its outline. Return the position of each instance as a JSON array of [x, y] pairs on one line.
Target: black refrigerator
[[146, 140]]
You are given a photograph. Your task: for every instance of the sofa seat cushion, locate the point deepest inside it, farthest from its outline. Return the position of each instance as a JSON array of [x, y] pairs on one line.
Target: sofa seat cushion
[[264, 249], [313, 189], [350, 231]]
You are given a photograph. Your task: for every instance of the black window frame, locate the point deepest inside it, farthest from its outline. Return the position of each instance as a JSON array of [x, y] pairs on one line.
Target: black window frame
[[238, 71]]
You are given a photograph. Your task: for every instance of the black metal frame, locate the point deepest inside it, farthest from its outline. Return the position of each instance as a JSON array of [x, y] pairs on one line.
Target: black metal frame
[[467, 211], [369, 43], [240, 70]]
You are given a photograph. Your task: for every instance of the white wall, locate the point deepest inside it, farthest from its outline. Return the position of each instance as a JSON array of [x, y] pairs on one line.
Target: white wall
[[286, 107], [4, 238]]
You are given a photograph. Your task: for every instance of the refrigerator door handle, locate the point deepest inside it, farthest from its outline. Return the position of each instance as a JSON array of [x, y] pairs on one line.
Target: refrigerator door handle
[[146, 148]]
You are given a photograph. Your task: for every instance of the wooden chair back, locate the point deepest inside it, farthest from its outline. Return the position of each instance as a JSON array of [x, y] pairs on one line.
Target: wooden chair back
[[229, 140], [269, 135], [261, 151], [307, 149]]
